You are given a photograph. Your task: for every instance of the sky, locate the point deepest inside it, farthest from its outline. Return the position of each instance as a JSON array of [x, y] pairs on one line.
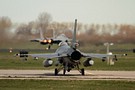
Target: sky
[[86, 11]]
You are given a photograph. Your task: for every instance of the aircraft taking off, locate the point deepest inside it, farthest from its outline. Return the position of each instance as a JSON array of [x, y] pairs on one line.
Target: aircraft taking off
[[69, 57], [50, 41]]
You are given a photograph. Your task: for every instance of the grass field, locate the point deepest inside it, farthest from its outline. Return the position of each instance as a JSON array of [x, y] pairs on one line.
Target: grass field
[[7, 84], [8, 61]]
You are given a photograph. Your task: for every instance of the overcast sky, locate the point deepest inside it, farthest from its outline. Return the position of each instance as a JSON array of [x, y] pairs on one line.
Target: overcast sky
[[86, 11]]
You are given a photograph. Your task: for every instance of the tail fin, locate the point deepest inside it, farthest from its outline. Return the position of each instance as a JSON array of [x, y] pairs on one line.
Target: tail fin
[[41, 35], [74, 35]]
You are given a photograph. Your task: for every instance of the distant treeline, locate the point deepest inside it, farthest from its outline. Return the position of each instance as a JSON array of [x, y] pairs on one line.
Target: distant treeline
[[87, 33]]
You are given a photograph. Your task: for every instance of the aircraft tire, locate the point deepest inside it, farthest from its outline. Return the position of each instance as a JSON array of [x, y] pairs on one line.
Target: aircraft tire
[[82, 71], [64, 71], [56, 72]]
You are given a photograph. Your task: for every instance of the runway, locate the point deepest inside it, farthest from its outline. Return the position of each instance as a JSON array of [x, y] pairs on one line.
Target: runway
[[73, 75]]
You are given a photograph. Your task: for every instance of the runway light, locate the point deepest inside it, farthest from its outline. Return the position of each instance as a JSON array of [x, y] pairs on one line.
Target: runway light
[[10, 50]]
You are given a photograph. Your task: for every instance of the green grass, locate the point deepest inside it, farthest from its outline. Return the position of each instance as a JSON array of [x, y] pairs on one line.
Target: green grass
[[10, 84], [8, 61]]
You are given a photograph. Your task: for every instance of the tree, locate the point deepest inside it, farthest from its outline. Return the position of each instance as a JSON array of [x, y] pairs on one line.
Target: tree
[[5, 25], [23, 31], [43, 21]]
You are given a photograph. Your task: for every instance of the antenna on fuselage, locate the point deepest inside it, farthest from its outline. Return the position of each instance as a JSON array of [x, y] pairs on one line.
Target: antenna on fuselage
[[74, 35]]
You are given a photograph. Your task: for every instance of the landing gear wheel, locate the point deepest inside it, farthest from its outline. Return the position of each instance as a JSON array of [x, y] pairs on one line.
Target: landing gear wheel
[[82, 71], [56, 72], [49, 47], [64, 71]]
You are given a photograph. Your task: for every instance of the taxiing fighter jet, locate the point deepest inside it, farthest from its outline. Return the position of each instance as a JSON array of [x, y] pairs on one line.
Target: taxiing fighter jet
[[50, 41], [68, 57]]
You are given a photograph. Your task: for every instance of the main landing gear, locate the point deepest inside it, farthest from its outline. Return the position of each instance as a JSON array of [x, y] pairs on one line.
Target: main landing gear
[[82, 71], [56, 71]]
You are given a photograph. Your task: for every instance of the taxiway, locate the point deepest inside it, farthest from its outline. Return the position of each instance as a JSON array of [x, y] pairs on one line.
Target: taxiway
[[73, 75]]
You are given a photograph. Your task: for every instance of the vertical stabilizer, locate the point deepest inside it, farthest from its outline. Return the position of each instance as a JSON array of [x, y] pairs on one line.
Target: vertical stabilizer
[[41, 35], [74, 35]]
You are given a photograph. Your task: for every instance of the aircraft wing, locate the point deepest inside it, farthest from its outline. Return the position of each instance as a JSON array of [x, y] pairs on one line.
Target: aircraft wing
[[61, 38], [101, 56], [36, 40], [39, 39], [49, 55], [92, 55]]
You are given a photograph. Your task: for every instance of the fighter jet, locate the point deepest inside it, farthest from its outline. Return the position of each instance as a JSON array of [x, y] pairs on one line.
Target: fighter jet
[[68, 57], [50, 41]]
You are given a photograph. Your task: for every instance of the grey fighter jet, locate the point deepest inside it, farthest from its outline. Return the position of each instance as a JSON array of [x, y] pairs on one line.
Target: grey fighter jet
[[49, 41], [68, 57]]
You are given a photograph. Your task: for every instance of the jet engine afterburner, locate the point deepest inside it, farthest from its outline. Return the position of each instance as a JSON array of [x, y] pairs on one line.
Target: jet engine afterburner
[[76, 55], [47, 63]]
